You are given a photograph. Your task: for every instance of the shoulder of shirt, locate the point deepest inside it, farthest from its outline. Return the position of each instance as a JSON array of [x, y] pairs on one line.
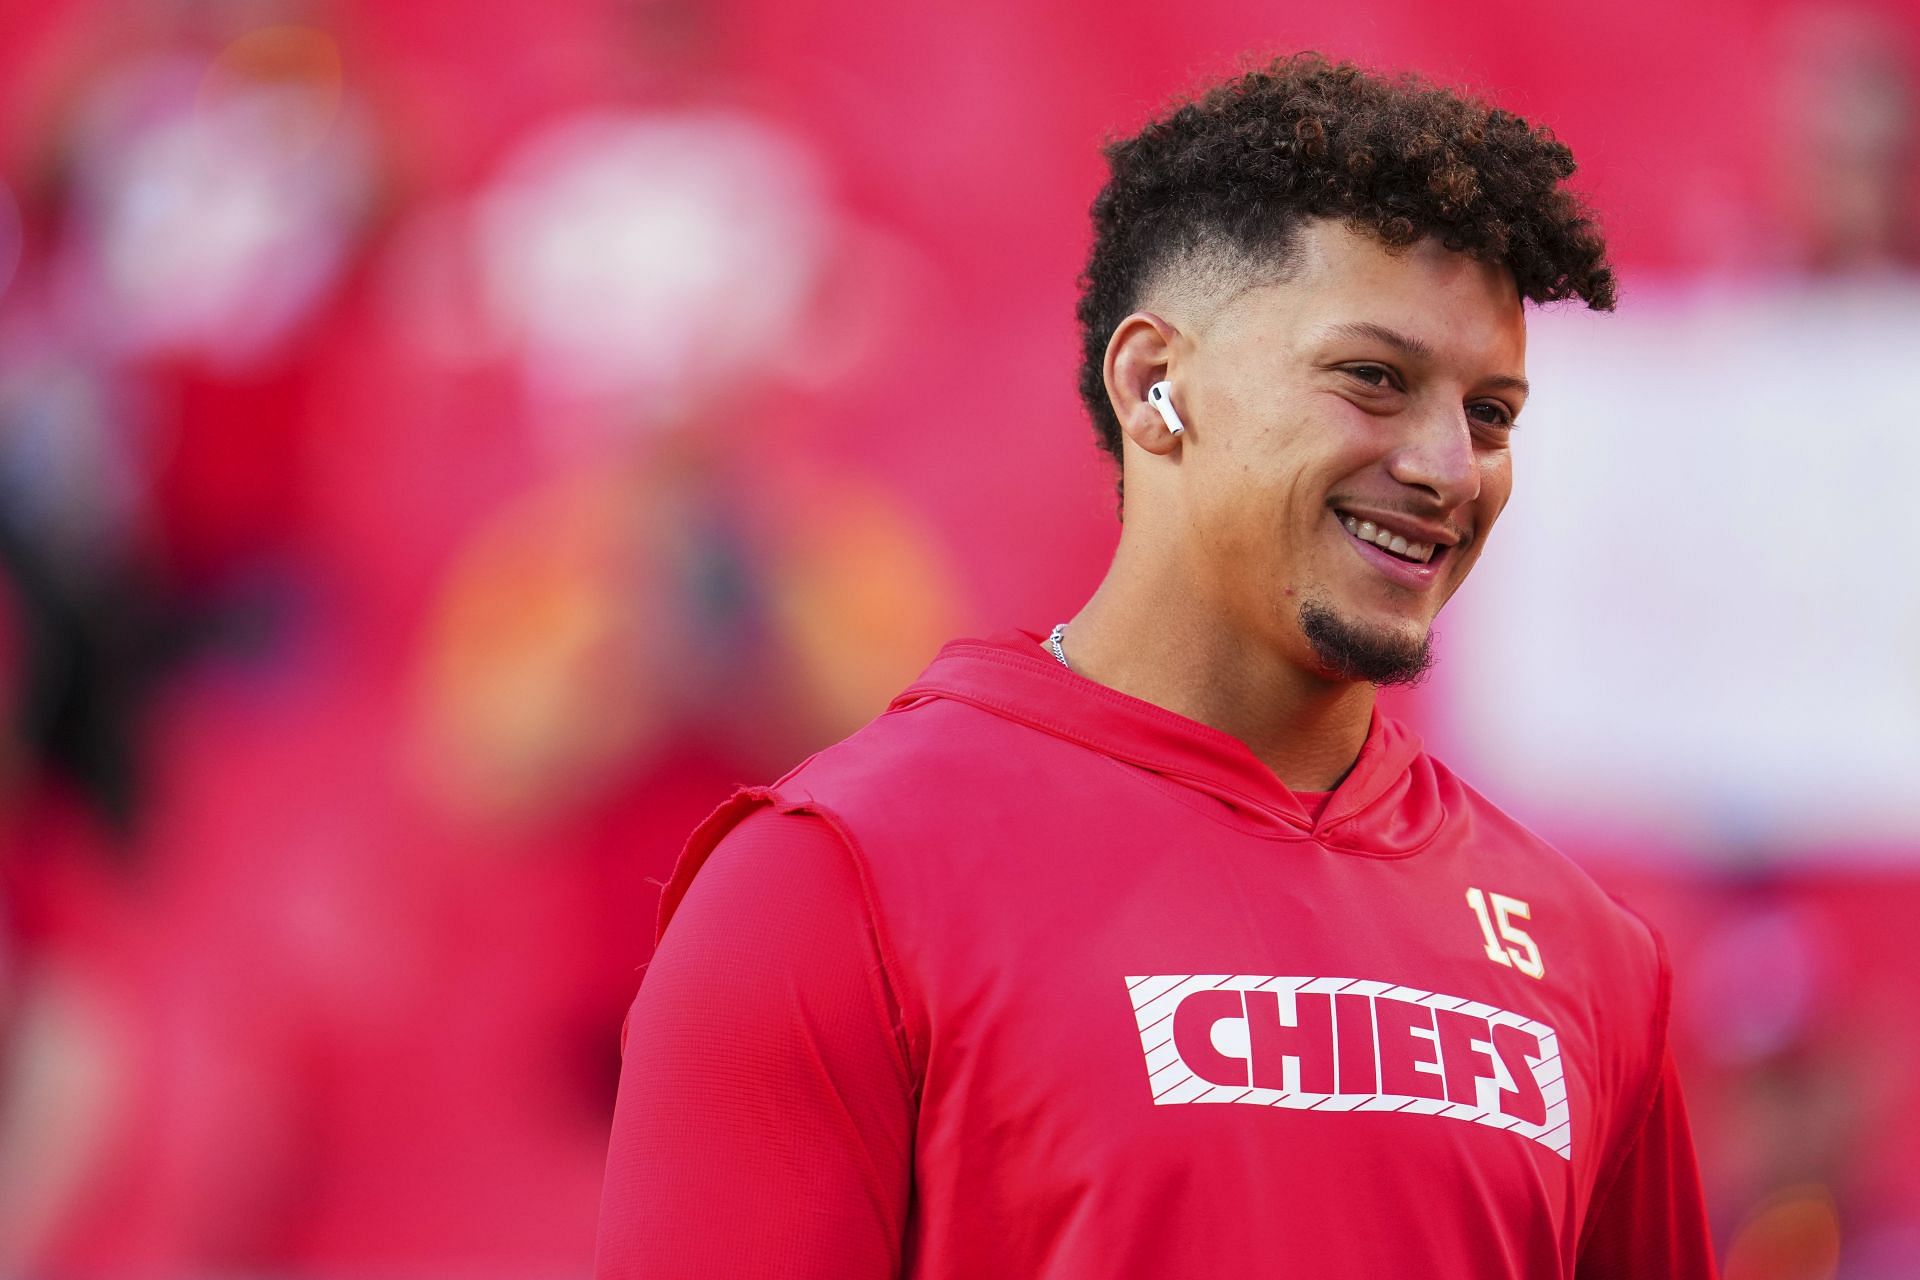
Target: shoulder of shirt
[[1600, 908], [929, 737]]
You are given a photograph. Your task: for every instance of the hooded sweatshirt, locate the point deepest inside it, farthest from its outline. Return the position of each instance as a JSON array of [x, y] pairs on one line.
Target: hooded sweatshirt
[[1032, 978]]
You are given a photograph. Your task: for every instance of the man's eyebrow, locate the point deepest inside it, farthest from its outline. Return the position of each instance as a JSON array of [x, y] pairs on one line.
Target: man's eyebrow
[[1366, 330], [1417, 348]]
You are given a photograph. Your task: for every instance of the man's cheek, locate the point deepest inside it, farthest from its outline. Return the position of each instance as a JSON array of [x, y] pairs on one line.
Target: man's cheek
[[1496, 486]]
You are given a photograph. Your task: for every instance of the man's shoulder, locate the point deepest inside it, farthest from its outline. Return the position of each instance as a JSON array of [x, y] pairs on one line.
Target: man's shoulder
[[905, 773], [1522, 865], [914, 743]]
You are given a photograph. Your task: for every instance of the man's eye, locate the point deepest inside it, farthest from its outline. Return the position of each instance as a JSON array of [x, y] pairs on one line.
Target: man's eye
[[1374, 375], [1491, 414]]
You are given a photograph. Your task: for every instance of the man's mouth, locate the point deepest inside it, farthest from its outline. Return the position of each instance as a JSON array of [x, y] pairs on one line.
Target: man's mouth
[[1387, 540]]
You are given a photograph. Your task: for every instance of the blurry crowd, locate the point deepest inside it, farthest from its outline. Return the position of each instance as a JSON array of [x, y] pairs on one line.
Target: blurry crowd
[[444, 448], [406, 543]]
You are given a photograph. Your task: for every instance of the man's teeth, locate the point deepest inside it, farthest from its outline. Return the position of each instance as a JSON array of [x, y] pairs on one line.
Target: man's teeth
[[1367, 531]]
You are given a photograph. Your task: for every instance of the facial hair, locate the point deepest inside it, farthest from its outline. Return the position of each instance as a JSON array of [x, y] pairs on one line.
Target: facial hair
[[1351, 652]]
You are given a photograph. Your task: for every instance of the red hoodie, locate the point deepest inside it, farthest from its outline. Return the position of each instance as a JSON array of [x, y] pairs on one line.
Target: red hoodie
[[1031, 978]]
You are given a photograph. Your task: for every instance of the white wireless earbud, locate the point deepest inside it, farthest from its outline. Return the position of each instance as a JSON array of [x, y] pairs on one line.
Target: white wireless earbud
[[1160, 396]]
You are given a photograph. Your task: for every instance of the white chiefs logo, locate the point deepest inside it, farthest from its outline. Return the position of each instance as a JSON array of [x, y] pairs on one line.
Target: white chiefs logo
[[1348, 1044]]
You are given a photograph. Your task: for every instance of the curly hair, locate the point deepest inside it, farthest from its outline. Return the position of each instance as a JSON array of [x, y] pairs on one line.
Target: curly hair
[[1208, 199]]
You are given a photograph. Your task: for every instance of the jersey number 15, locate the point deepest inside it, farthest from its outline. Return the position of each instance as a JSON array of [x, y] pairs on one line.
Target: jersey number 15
[[1507, 942]]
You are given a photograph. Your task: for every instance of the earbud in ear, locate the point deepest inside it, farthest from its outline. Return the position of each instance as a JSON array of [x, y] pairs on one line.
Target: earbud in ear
[[1160, 396]]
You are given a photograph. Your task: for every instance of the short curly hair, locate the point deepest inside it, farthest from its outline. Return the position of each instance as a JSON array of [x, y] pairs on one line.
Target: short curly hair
[[1212, 195]]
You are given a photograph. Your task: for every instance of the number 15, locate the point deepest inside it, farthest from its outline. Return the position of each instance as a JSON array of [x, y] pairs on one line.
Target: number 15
[[1519, 951]]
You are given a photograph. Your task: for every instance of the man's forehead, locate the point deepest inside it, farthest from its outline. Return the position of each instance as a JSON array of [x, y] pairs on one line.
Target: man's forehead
[[1426, 302]]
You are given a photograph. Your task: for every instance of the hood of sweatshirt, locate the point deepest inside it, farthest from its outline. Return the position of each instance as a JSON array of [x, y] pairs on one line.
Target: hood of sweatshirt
[[1391, 804]]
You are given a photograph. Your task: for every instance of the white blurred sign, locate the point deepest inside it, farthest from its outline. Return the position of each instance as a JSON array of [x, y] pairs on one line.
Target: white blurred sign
[[658, 255], [1703, 603]]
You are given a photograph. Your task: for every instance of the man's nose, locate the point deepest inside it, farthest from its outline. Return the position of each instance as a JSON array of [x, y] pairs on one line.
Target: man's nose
[[1437, 455]]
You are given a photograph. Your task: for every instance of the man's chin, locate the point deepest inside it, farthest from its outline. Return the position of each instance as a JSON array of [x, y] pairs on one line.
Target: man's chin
[[1350, 650]]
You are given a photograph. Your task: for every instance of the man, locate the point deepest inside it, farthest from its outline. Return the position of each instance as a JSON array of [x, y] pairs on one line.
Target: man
[[951, 998]]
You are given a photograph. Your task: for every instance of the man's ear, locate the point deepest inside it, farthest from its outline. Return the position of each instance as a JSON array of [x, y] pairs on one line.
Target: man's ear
[[1142, 351]]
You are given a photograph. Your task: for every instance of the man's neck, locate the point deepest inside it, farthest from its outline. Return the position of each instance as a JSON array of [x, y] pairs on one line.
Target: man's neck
[[1149, 643]]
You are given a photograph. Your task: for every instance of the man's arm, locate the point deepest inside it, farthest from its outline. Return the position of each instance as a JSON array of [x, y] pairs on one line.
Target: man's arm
[[1651, 1221], [765, 1118]]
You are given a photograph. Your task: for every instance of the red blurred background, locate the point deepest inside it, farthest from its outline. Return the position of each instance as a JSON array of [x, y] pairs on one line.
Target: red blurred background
[[444, 447]]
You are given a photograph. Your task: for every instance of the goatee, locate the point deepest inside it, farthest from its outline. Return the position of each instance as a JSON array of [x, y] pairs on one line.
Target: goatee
[[1350, 652]]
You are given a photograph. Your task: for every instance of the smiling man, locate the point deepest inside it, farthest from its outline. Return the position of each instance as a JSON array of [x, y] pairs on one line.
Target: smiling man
[[1147, 947]]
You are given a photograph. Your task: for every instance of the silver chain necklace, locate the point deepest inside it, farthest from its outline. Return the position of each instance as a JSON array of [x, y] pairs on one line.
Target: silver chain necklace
[[1053, 642]]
